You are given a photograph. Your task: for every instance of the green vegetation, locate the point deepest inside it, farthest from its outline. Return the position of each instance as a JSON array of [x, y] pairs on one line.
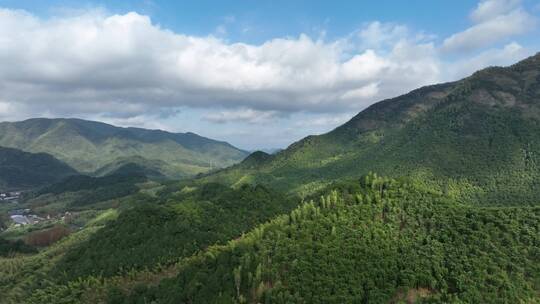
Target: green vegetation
[[96, 189], [22, 274], [91, 146], [8, 248], [389, 242], [161, 233], [378, 240], [82, 193], [476, 138], [20, 169], [138, 166]]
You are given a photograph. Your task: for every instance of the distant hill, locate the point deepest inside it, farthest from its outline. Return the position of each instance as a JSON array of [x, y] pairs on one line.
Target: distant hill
[[268, 150], [477, 139], [20, 170], [81, 191], [136, 164], [90, 146]]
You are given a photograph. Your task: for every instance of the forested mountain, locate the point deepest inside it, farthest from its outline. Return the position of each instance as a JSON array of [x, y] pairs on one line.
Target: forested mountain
[[380, 241], [476, 139], [174, 226], [89, 146], [146, 231], [377, 240], [20, 170]]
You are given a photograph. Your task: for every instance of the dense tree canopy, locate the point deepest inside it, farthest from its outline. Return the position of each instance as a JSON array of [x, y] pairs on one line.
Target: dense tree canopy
[[387, 242], [8, 247], [183, 223]]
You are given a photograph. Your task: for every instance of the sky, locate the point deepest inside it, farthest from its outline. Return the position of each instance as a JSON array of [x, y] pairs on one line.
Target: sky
[[258, 74]]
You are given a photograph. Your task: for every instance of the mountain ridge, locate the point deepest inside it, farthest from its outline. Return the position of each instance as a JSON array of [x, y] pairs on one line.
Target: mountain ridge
[[89, 146], [467, 133]]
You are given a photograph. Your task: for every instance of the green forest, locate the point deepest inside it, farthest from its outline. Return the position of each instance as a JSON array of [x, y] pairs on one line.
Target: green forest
[[376, 240], [173, 226]]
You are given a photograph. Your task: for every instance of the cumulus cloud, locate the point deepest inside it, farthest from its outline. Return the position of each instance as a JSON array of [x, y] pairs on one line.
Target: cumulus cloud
[[487, 9], [126, 65], [494, 20], [377, 34], [509, 54], [125, 68]]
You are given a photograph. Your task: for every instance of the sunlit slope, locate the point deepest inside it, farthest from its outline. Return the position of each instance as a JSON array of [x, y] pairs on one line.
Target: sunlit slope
[[89, 146], [376, 241]]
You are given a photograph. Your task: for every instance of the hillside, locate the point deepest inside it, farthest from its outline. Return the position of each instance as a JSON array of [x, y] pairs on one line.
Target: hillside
[[171, 228], [377, 240], [143, 231], [476, 139], [384, 242], [89, 146], [21, 170]]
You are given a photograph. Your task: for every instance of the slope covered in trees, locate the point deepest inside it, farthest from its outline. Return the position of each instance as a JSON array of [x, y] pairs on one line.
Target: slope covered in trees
[[88, 146], [476, 139], [377, 240], [19, 170], [170, 228], [386, 241], [81, 191], [8, 247]]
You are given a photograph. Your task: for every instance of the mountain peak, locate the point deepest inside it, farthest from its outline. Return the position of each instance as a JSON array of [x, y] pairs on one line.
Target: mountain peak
[[255, 159]]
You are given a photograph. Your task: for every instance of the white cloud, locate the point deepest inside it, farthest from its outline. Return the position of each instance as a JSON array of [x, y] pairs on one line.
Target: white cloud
[[509, 54], [127, 70], [376, 33], [494, 20], [241, 115], [488, 9], [5, 108], [325, 121], [13, 111], [94, 63], [367, 91]]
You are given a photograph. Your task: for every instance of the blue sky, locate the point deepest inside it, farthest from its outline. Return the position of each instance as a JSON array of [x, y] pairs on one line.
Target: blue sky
[[278, 18], [259, 74]]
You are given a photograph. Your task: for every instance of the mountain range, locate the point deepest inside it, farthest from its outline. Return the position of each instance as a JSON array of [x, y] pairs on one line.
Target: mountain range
[[98, 148], [475, 138]]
